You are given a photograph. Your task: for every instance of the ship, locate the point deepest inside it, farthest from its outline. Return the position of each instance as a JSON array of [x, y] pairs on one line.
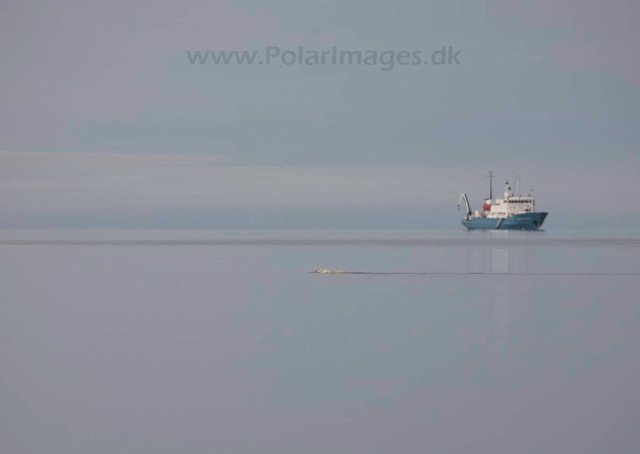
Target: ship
[[512, 212]]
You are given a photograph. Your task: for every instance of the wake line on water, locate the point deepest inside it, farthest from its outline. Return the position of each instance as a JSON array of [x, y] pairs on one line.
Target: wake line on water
[[464, 273]]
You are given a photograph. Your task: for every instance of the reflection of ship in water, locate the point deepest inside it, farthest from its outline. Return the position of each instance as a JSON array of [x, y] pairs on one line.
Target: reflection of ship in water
[[501, 260], [502, 290], [500, 303], [499, 268]]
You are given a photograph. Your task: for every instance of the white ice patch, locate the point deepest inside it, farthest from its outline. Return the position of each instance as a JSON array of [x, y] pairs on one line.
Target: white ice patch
[[328, 271]]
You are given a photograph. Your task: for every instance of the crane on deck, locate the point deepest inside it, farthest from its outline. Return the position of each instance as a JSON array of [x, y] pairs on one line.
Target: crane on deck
[[466, 201]]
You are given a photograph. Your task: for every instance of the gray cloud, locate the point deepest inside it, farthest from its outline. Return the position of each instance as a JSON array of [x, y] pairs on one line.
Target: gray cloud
[[543, 83], [190, 190]]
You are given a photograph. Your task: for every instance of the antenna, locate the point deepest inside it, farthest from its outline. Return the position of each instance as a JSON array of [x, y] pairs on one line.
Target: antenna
[[491, 176]]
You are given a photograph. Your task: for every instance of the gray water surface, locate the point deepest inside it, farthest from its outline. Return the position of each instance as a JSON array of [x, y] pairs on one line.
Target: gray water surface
[[223, 341]]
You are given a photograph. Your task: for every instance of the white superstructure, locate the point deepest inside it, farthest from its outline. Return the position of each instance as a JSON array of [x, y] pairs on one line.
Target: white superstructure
[[509, 205]]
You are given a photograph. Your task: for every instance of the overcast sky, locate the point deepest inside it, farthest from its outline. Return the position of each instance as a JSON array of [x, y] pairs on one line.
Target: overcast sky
[[104, 122]]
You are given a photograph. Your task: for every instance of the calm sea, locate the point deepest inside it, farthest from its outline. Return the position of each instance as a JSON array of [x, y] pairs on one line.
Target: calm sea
[[223, 341]]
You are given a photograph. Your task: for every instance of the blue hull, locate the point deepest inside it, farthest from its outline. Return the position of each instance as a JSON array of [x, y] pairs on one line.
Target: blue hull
[[526, 221]]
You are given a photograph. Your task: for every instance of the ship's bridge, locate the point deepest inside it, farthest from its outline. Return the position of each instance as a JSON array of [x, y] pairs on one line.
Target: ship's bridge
[[510, 204]]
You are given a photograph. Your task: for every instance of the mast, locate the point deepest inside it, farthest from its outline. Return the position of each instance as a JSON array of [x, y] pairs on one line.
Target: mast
[[491, 176]]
